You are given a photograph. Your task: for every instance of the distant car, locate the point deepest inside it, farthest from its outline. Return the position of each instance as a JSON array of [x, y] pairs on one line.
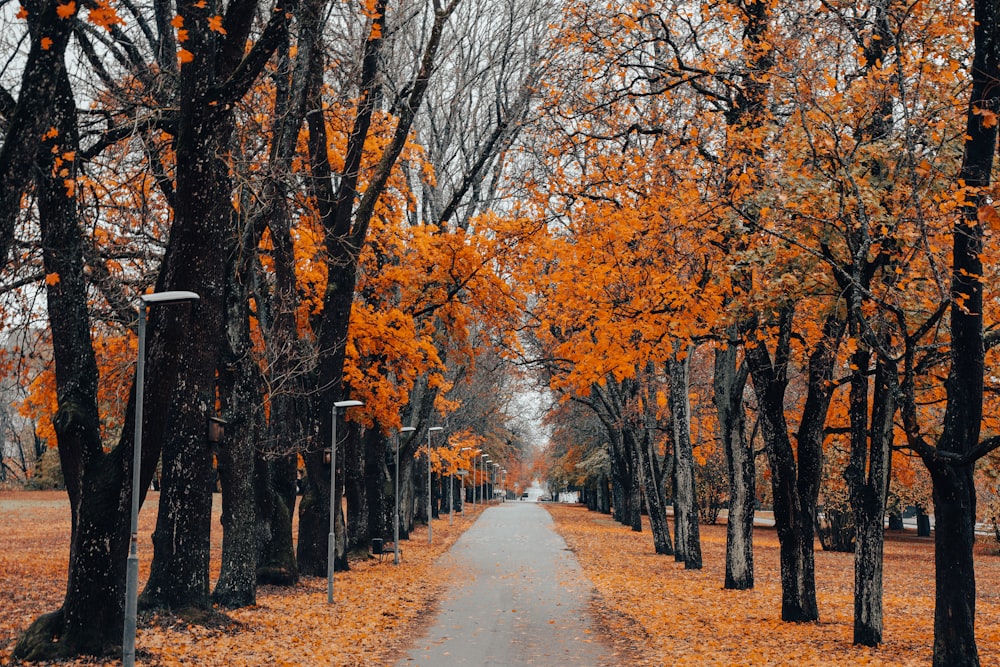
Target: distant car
[[546, 498], [524, 496]]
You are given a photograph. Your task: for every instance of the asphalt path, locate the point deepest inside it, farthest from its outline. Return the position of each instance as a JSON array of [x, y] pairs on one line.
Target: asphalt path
[[518, 598]]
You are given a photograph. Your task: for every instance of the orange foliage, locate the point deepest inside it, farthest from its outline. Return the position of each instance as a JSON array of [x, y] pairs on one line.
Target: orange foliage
[[667, 615], [377, 607]]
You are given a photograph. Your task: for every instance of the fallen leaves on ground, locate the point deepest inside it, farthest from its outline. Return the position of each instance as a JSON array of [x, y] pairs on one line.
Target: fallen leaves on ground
[[377, 606], [671, 616]]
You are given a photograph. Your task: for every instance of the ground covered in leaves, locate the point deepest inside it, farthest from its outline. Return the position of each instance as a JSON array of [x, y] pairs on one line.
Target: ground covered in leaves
[[672, 616], [376, 610]]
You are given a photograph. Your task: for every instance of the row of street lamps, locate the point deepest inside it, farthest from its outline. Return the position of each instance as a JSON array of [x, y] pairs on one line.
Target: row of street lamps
[[132, 565]]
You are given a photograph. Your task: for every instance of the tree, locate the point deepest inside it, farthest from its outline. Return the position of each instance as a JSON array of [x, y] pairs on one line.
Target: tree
[[951, 459]]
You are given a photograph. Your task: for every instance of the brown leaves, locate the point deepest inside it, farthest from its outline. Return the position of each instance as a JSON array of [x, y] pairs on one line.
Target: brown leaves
[[674, 616], [376, 607]]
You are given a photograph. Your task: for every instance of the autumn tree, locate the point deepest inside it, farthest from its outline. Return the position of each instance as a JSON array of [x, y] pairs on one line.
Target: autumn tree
[[101, 479], [952, 456]]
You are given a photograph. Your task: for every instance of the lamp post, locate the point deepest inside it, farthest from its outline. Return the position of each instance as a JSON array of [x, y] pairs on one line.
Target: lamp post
[[483, 467], [132, 565], [483, 462], [395, 519], [331, 541], [464, 473], [493, 481], [430, 529]]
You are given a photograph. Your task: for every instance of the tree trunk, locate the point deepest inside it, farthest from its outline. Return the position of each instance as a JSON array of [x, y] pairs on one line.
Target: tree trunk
[[867, 477], [275, 485], [181, 543], [90, 619], [379, 483], [688, 540], [355, 473], [729, 382], [955, 587], [795, 479], [923, 523], [242, 408], [655, 506]]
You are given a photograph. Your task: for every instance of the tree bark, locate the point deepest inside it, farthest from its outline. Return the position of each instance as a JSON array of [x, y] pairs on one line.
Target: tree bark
[[242, 402], [795, 475], [867, 476], [219, 73], [729, 382], [686, 522], [90, 618], [656, 507]]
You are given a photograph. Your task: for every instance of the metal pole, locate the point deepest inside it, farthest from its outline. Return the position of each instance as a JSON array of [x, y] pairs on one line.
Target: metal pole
[[132, 566], [132, 563], [451, 502], [430, 528], [331, 542], [395, 514]]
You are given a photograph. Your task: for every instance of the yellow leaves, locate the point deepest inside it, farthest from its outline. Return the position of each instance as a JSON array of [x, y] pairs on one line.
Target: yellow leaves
[[65, 11]]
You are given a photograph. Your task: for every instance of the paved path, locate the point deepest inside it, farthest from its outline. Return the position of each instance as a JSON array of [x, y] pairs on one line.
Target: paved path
[[519, 598]]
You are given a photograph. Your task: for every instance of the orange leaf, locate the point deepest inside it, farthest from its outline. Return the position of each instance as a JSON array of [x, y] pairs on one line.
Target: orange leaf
[[46, 43], [104, 15], [988, 217], [185, 56], [67, 10], [22, 13], [51, 278], [215, 24]]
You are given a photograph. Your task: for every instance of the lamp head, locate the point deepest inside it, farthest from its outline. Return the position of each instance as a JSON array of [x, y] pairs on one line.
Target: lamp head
[[168, 297]]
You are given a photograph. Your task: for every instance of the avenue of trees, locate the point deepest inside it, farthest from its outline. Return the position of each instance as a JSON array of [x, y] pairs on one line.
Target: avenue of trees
[[745, 244]]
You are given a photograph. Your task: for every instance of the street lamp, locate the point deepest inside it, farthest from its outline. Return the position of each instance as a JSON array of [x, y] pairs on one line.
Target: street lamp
[[395, 520], [483, 467], [475, 479], [463, 474], [331, 541], [132, 565], [493, 481], [430, 533]]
